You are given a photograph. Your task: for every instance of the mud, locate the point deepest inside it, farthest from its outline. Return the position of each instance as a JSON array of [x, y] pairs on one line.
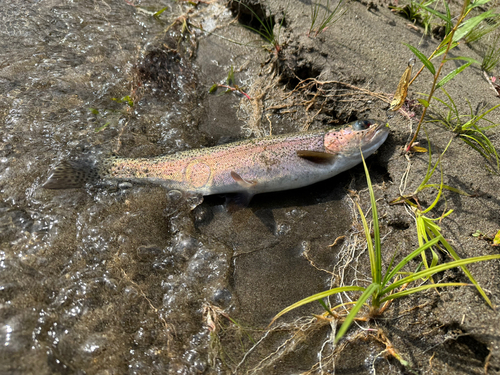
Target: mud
[[135, 279]]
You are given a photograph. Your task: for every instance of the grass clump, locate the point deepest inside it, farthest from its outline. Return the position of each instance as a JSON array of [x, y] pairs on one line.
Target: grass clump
[[414, 13], [427, 228], [469, 127], [409, 11], [265, 28], [393, 283], [322, 16], [492, 55]]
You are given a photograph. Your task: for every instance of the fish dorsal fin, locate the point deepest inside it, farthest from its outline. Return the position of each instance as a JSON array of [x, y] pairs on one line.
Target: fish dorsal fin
[[243, 183], [317, 156]]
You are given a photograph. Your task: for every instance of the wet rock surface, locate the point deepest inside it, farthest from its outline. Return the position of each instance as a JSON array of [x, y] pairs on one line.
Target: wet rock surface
[[135, 279]]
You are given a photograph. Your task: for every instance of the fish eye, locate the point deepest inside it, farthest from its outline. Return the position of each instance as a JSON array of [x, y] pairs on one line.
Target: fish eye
[[361, 125]]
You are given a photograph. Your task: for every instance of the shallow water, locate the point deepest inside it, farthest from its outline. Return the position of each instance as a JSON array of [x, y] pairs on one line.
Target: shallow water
[[117, 280]]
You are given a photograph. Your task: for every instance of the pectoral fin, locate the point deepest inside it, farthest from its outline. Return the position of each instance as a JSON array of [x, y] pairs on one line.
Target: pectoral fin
[[317, 156], [243, 183]]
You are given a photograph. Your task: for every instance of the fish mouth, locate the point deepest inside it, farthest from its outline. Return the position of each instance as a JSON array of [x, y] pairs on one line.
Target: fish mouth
[[374, 138]]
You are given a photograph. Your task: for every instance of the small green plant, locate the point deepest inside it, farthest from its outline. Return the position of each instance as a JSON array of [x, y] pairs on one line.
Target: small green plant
[[266, 28], [126, 99], [467, 128], [328, 17], [158, 13], [427, 229], [421, 13], [392, 284], [230, 85], [111, 116], [492, 55], [413, 13], [454, 33], [101, 118], [410, 11]]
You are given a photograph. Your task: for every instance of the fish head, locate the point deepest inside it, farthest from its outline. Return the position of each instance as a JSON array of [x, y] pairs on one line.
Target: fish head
[[367, 135]]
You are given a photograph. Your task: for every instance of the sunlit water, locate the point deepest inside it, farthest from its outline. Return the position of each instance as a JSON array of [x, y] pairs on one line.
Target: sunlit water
[[116, 280]]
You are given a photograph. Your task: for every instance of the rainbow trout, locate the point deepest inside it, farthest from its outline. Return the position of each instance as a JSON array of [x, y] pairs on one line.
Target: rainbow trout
[[252, 166]]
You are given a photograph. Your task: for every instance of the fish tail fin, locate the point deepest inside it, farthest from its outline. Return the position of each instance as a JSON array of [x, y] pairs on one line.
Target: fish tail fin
[[72, 174]]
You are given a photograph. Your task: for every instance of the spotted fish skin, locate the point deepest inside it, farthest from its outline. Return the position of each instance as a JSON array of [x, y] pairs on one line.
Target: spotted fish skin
[[252, 166]]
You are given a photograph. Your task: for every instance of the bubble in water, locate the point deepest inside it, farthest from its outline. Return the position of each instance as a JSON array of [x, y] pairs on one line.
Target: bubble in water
[[184, 247], [174, 196], [194, 200], [124, 185]]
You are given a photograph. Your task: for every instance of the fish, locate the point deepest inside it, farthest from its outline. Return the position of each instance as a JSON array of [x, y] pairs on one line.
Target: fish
[[253, 166]]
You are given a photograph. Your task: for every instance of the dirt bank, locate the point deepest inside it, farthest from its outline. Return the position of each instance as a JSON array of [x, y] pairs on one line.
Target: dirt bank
[[110, 280]]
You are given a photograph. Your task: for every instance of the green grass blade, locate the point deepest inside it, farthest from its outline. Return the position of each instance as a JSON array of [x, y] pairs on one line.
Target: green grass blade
[[422, 239], [424, 102], [449, 24], [442, 267], [97, 130], [493, 150], [443, 48], [477, 3], [327, 309], [266, 25], [482, 129], [448, 187], [452, 74], [485, 113], [452, 103], [422, 58], [157, 14], [369, 243], [434, 259], [442, 101], [433, 11], [488, 144], [409, 257], [314, 16], [464, 58], [417, 289], [377, 276], [480, 141], [467, 26], [389, 268], [329, 20], [230, 77], [473, 145], [438, 196], [372, 288], [316, 297], [428, 173], [455, 256]]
